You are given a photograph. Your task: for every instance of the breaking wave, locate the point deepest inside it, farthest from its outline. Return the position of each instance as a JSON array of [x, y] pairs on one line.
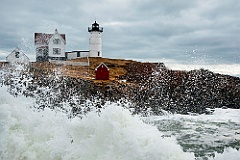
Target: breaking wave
[[48, 134]]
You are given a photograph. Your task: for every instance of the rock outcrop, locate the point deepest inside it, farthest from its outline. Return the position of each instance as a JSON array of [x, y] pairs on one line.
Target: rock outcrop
[[150, 88], [182, 91]]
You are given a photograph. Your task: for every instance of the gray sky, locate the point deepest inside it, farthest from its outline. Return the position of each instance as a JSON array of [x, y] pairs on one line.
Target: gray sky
[[176, 31]]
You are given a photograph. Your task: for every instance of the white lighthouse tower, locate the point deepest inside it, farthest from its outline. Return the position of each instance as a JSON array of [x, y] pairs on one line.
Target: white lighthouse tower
[[95, 40]]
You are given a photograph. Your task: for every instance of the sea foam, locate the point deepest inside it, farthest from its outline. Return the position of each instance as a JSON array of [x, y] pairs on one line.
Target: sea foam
[[26, 133]]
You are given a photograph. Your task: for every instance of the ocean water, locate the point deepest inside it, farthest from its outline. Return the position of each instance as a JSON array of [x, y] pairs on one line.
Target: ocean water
[[215, 136], [113, 134]]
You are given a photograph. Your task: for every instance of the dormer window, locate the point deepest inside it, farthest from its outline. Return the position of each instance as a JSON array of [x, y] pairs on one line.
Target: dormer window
[[56, 41]]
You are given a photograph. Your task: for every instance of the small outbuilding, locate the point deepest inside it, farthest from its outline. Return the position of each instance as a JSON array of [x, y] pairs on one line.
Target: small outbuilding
[[17, 57], [102, 72]]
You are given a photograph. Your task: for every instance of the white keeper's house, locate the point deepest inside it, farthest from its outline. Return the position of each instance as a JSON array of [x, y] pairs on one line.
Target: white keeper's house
[[52, 46]]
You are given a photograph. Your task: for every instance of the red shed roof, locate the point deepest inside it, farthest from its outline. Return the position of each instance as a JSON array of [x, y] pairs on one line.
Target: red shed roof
[[101, 65]]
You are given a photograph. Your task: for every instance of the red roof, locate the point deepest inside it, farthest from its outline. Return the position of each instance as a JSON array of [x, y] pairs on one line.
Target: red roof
[[43, 38], [101, 65]]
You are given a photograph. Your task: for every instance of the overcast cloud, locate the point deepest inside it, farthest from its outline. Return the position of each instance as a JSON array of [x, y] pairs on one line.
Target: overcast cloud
[[176, 31]]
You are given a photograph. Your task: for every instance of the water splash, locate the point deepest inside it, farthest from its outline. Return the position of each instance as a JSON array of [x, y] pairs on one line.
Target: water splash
[[48, 134]]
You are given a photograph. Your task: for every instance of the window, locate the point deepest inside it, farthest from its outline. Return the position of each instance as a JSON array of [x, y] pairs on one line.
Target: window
[[56, 41], [56, 51], [42, 52], [17, 54], [78, 54]]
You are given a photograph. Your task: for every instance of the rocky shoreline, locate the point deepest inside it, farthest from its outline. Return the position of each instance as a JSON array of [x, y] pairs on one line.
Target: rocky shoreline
[[184, 92], [148, 88]]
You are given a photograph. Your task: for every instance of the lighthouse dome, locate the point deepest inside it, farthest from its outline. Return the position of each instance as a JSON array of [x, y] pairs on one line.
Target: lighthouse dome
[[95, 27]]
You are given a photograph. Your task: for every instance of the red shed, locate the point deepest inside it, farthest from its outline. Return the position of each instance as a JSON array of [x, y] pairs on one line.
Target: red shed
[[102, 72]]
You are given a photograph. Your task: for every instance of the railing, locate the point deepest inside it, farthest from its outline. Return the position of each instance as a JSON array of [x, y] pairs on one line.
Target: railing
[[99, 29]]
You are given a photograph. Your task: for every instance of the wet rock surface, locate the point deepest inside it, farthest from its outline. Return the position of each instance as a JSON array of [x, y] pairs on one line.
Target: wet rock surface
[[182, 91], [149, 88]]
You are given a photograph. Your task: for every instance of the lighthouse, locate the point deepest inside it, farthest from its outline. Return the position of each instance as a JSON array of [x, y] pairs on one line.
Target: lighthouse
[[95, 40]]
